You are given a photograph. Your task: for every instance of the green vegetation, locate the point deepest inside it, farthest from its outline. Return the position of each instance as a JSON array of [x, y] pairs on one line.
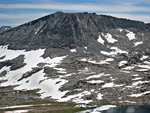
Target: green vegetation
[[37, 105]]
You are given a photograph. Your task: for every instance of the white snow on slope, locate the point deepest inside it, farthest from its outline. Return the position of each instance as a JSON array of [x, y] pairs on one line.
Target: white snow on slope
[[99, 96], [139, 94], [147, 62], [97, 76], [144, 66], [121, 63], [137, 78], [32, 58], [129, 67], [77, 98], [102, 61], [99, 109], [115, 51], [95, 81], [73, 50], [118, 50], [109, 59], [9, 54], [142, 70], [100, 40], [60, 70], [106, 85], [85, 48], [111, 84], [135, 84], [106, 61], [48, 86], [135, 75], [109, 38], [130, 35], [143, 57], [4, 68], [138, 43], [120, 29]]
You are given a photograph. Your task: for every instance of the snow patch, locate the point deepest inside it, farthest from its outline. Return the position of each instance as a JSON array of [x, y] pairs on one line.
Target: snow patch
[[142, 70], [143, 57], [77, 98], [147, 62], [95, 81], [130, 35], [85, 48], [100, 40], [98, 62], [73, 50], [120, 30], [106, 85], [99, 96], [109, 38], [144, 66], [121, 63], [32, 59], [137, 78], [135, 84], [115, 51], [129, 68], [97, 76], [135, 75], [138, 43], [139, 94], [8, 53], [111, 84], [47, 85], [60, 70]]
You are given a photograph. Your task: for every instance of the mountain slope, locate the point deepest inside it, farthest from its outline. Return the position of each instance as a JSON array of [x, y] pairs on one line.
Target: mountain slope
[[79, 57], [4, 28]]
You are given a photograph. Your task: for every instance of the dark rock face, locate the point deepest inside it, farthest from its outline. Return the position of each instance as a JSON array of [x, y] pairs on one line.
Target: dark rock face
[[61, 30], [4, 28], [15, 63], [29, 73]]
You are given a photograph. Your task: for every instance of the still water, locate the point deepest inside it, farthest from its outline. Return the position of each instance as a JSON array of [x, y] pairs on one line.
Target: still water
[[119, 109]]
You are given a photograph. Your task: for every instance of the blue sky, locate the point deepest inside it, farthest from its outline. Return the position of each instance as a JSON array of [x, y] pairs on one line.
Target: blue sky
[[17, 12]]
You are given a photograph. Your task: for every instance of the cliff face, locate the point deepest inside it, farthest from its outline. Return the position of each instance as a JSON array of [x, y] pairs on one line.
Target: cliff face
[[79, 57]]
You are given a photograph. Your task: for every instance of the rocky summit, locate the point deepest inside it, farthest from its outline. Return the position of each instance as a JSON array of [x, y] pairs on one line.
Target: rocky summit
[[79, 57]]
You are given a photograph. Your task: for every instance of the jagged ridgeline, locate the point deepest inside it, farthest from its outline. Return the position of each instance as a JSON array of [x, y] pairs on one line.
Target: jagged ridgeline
[[79, 57]]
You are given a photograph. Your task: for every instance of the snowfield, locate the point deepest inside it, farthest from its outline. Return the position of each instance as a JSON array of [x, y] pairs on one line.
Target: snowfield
[[38, 80], [130, 35]]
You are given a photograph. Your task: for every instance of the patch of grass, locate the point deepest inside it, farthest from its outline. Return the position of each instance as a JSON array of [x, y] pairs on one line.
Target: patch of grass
[[39, 105]]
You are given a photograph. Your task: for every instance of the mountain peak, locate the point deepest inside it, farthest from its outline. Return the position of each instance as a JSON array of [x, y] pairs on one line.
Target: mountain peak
[[79, 57], [61, 29]]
